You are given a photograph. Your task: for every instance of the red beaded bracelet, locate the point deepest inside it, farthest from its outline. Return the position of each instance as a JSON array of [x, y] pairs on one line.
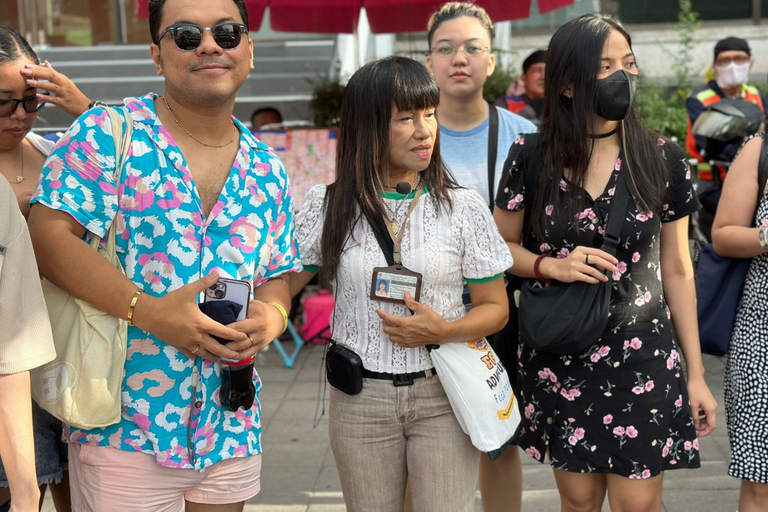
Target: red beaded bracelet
[[536, 264]]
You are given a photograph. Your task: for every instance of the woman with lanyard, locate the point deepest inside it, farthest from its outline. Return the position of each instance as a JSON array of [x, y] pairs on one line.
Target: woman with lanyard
[[395, 214], [460, 38], [613, 417]]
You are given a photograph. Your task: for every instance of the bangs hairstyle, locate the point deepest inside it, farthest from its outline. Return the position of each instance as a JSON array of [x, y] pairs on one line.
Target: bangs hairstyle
[[362, 154], [157, 7], [573, 61], [14, 47], [453, 10]]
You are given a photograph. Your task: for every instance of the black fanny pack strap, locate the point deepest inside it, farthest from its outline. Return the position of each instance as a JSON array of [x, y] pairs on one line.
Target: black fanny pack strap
[[493, 146], [616, 214]]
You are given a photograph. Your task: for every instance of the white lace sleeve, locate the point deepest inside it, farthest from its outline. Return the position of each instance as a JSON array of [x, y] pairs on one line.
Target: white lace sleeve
[[309, 226], [485, 252]]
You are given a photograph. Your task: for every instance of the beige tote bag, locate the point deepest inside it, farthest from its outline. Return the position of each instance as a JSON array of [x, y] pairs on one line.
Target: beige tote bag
[[82, 385]]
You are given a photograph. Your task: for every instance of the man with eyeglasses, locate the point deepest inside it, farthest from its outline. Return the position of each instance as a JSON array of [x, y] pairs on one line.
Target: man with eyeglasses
[[730, 68], [199, 198]]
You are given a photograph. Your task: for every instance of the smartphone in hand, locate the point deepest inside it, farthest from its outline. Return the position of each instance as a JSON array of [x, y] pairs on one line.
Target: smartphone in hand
[[233, 290]]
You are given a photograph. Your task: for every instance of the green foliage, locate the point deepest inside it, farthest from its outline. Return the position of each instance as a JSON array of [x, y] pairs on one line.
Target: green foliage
[[688, 23], [325, 104], [662, 109], [497, 84]]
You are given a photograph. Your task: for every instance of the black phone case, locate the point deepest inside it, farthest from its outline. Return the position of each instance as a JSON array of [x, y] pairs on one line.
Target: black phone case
[[344, 369]]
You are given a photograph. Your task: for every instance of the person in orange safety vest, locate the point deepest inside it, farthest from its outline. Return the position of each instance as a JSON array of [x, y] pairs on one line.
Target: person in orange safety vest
[[731, 66]]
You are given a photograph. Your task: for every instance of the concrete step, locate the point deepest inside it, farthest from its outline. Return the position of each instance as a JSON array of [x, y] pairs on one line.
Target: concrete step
[[293, 107], [283, 77], [144, 67], [321, 48], [114, 89]]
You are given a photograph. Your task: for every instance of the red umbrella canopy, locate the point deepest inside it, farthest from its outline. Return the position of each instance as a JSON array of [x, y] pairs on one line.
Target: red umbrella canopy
[[384, 16]]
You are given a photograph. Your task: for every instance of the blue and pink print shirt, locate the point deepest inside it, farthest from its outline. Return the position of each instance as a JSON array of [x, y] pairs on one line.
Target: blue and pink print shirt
[[170, 404]]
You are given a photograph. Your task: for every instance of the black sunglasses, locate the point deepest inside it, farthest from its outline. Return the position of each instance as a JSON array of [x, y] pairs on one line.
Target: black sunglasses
[[31, 104], [188, 36]]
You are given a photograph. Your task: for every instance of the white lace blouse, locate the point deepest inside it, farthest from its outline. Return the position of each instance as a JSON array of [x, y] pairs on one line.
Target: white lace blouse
[[446, 247]]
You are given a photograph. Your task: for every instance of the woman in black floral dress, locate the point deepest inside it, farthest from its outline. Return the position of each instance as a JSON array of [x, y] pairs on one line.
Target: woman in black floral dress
[[615, 417]]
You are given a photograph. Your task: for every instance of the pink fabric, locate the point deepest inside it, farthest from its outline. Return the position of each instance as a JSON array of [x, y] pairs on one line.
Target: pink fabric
[[105, 479]]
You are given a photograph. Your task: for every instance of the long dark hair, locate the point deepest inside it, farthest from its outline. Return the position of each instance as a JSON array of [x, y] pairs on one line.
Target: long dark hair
[[13, 46], [362, 154], [573, 61]]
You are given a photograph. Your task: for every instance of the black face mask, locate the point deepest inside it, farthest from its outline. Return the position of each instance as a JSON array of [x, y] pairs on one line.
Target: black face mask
[[615, 95]]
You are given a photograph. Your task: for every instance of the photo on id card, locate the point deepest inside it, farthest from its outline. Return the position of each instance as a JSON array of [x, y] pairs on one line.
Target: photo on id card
[[389, 284]]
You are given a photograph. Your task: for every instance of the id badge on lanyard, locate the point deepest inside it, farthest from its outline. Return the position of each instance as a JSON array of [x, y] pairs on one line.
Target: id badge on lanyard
[[389, 284]]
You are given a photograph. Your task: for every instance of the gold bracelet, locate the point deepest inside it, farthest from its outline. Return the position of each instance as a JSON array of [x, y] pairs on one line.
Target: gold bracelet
[[281, 309], [134, 300]]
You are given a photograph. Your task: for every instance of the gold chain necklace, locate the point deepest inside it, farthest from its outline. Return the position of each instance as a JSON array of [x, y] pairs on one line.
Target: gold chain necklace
[[20, 176], [234, 129]]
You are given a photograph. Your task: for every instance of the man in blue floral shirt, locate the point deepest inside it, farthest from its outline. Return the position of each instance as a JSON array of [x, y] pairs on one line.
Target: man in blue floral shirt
[[199, 198]]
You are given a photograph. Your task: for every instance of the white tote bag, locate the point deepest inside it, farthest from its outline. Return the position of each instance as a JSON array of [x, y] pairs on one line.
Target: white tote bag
[[82, 385], [481, 396]]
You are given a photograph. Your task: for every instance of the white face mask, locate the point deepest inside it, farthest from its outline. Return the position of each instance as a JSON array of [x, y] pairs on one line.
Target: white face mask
[[732, 75]]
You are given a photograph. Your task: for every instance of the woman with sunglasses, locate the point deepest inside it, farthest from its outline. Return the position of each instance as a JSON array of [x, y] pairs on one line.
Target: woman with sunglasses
[[400, 425], [25, 87], [614, 417]]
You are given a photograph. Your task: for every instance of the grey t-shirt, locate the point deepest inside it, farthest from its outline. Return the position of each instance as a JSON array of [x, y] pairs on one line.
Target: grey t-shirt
[[466, 152]]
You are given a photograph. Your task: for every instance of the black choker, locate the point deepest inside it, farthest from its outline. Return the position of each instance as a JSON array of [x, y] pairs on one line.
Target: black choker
[[603, 135]]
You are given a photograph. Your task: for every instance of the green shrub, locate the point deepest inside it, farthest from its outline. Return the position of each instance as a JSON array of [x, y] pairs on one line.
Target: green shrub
[[497, 84], [662, 110], [325, 104]]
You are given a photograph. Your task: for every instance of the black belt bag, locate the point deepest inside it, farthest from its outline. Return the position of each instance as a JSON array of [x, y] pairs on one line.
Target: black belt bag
[[568, 318], [344, 369]]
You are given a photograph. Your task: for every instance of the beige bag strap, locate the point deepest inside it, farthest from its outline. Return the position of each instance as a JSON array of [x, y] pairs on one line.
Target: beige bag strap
[[122, 147]]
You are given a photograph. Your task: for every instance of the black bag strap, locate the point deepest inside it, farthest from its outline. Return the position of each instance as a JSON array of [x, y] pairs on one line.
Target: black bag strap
[[616, 214], [762, 177], [493, 147], [385, 241]]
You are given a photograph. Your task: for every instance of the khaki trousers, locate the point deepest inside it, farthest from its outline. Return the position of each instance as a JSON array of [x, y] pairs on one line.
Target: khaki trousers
[[388, 434]]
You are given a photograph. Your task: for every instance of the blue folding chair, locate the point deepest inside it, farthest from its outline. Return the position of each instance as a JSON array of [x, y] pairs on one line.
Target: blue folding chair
[[289, 360]]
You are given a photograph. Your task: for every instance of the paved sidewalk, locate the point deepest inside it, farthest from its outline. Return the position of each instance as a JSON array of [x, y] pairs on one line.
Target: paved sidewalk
[[299, 473]]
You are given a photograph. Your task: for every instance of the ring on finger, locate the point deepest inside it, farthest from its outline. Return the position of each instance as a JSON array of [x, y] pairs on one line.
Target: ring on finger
[[586, 259], [196, 349], [249, 337]]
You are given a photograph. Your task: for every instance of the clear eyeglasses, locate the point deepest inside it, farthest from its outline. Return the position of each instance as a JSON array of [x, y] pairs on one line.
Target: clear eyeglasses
[[738, 59], [471, 49]]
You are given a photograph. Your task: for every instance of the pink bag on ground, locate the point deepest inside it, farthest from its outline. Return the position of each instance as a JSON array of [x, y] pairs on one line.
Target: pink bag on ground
[[316, 321]]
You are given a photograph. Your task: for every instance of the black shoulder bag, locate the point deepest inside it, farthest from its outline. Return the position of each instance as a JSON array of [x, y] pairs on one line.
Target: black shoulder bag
[[568, 318]]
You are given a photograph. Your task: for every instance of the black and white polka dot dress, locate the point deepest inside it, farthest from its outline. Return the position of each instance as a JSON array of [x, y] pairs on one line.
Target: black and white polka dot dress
[[746, 374]]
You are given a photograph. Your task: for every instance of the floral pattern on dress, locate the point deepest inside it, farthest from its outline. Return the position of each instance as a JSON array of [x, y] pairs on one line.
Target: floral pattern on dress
[[170, 403], [621, 406]]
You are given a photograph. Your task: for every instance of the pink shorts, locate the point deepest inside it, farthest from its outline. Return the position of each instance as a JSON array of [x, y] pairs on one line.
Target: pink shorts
[[109, 480]]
